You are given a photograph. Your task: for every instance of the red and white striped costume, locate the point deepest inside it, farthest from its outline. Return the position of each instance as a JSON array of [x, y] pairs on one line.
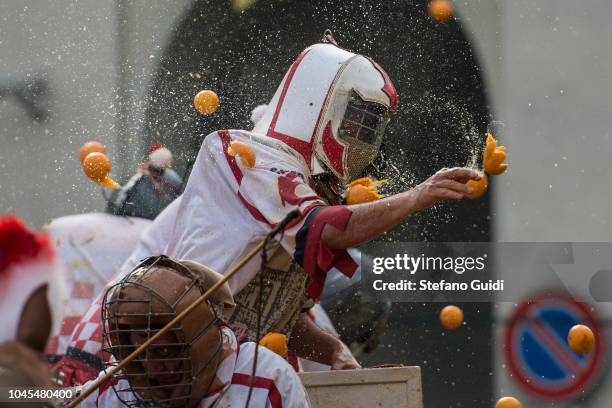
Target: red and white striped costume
[[227, 207], [276, 383]]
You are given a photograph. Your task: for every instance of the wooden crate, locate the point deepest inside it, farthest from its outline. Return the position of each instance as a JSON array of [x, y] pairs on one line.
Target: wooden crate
[[397, 387]]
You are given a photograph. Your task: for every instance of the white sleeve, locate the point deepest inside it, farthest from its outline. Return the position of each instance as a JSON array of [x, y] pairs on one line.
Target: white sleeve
[[291, 389], [286, 381]]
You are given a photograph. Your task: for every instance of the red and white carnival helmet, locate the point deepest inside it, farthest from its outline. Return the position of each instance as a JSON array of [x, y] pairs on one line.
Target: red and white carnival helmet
[[332, 108], [27, 262]]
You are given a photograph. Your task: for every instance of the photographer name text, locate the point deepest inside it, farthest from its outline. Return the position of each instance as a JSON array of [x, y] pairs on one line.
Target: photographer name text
[[412, 265]]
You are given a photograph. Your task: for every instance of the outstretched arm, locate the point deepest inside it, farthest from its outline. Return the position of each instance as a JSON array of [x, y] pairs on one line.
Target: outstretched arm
[[370, 220]]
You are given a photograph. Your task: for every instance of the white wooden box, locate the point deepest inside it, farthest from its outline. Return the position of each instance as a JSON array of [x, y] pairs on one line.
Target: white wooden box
[[397, 387]]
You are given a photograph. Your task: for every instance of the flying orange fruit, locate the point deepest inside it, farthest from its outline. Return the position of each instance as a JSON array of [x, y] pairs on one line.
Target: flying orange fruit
[[451, 317], [479, 186], [581, 339], [277, 342], [97, 167], [91, 147], [244, 152], [508, 402], [363, 190], [493, 157], [206, 102], [440, 10]]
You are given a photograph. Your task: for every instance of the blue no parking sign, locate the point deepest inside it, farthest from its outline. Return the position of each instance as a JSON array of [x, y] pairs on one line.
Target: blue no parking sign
[[537, 352]]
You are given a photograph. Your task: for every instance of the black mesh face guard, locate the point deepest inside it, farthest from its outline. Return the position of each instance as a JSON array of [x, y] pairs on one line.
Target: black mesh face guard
[[364, 121], [362, 129], [147, 387]]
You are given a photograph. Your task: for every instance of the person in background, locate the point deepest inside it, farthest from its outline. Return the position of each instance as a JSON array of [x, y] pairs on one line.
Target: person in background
[[150, 190], [323, 127]]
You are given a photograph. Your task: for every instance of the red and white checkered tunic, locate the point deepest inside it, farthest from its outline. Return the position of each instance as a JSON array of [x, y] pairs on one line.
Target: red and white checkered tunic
[[91, 248]]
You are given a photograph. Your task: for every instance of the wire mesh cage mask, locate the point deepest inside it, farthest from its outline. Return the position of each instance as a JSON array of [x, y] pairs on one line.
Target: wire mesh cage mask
[[362, 129], [178, 369]]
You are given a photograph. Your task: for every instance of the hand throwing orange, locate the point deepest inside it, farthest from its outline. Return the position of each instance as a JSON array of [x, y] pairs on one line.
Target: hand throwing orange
[[479, 186], [508, 402], [363, 190], [206, 102], [494, 156], [581, 339], [244, 152], [440, 10], [451, 317], [277, 342], [97, 166], [91, 147]]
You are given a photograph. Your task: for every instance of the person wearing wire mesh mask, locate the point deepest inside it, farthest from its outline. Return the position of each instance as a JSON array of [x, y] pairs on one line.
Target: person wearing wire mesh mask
[[323, 126], [198, 362]]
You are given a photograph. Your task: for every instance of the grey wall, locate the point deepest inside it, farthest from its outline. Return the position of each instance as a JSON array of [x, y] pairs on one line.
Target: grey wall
[[71, 44], [76, 46], [548, 67], [556, 105]]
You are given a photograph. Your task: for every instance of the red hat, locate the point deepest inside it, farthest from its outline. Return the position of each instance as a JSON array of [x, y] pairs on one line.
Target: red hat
[[160, 156], [154, 147], [27, 261]]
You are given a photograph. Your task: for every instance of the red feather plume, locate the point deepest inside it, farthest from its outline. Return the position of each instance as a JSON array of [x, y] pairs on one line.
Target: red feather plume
[[19, 243]]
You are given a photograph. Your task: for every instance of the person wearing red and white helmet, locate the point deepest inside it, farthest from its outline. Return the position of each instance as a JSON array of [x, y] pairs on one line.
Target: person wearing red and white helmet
[[151, 189], [31, 300], [322, 128]]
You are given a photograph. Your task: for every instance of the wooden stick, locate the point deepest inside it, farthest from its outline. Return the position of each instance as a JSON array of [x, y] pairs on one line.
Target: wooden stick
[[166, 328]]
